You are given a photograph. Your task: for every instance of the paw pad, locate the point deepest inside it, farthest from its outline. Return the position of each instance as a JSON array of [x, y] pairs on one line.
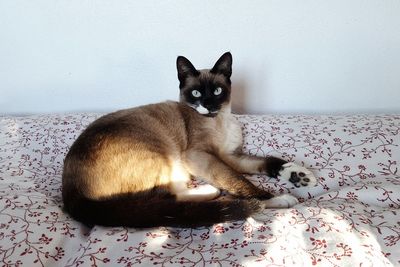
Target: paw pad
[[297, 175]]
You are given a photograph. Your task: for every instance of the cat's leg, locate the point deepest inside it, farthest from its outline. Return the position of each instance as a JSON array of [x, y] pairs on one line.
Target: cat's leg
[[200, 193], [179, 186], [298, 175], [218, 173], [273, 167], [243, 163]]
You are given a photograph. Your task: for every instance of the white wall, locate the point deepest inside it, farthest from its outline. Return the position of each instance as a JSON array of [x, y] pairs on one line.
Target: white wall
[[290, 56]]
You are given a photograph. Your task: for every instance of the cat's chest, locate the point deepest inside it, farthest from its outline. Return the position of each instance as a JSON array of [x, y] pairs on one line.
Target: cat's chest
[[231, 137]]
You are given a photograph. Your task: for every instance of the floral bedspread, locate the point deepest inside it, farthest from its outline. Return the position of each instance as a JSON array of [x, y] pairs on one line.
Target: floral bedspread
[[352, 218]]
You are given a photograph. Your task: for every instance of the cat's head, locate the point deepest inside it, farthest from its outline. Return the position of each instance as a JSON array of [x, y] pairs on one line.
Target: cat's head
[[207, 91]]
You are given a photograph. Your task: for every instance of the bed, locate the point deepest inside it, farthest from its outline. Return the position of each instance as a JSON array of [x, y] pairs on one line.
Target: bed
[[351, 218]]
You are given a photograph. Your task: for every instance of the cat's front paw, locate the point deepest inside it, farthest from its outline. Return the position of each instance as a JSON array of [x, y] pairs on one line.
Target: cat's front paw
[[297, 175]]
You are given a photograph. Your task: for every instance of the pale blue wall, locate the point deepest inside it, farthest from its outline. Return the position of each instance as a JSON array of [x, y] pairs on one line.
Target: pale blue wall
[[289, 56]]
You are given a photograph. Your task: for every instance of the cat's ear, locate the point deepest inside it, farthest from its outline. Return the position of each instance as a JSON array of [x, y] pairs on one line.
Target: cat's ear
[[224, 65], [185, 68]]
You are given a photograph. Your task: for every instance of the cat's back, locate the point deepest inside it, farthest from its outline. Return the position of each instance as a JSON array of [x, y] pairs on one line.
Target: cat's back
[[164, 112], [158, 125]]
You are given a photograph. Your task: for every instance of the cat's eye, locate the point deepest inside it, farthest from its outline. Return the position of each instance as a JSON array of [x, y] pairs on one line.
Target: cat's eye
[[196, 93], [218, 91]]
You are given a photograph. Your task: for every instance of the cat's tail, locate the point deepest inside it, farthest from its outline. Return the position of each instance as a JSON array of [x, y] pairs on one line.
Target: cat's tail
[[124, 211]]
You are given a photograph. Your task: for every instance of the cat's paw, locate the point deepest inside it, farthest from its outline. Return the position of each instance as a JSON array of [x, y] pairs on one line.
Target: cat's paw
[[297, 175], [281, 201]]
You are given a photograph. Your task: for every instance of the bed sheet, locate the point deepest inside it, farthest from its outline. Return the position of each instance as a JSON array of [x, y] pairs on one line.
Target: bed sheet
[[350, 219]]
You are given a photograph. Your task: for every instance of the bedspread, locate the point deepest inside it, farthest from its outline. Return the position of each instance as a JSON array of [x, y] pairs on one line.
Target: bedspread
[[351, 218]]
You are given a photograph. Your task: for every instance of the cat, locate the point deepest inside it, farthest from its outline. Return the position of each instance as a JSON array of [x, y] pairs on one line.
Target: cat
[[131, 167]]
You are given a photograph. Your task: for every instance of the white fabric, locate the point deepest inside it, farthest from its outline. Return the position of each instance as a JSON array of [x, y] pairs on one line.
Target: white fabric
[[351, 218]]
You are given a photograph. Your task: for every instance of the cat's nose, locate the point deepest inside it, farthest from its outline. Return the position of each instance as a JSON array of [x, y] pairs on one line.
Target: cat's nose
[[209, 102], [207, 105]]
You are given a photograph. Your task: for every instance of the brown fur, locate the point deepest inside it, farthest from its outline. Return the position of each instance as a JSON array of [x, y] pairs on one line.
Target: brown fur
[[131, 167]]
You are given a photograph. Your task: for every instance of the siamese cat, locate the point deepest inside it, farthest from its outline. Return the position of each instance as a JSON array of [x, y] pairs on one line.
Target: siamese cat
[[132, 167]]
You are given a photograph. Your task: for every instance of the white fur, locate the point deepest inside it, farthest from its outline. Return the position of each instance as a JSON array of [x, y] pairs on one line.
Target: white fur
[[200, 193], [290, 167], [281, 201], [179, 177], [202, 110]]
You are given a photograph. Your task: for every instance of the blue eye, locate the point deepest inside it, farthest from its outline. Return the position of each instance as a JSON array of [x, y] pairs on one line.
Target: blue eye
[[196, 93], [218, 91]]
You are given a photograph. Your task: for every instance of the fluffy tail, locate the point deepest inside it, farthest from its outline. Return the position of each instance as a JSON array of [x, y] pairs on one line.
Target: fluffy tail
[[124, 211]]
